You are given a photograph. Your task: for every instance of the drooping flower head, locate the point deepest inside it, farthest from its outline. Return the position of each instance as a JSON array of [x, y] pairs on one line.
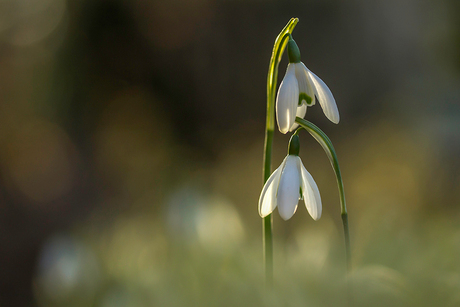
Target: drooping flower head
[[298, 90], [289, 183]]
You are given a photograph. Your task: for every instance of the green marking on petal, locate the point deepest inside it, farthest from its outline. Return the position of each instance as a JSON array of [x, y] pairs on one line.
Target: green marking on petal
[[308, 99]]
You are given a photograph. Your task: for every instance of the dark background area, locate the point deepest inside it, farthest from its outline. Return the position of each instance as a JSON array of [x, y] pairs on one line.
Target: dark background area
[[131, 141]]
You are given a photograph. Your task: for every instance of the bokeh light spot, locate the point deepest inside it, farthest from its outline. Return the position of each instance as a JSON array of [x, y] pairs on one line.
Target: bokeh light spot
[[67, 271], [32, 21], [38, 161]]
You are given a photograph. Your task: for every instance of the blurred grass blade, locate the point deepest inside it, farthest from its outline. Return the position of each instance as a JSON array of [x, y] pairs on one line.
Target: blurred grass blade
[[326, 143]]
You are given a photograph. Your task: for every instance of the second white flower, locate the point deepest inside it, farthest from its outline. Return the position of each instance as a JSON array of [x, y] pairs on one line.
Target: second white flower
[[286, 185]]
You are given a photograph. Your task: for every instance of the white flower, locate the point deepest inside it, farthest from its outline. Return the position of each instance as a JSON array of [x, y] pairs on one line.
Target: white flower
[[297, 91], [289, 182]]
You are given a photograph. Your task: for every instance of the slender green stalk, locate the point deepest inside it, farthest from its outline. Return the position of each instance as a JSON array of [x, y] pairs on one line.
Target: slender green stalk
[[278, 48], [326, 143]]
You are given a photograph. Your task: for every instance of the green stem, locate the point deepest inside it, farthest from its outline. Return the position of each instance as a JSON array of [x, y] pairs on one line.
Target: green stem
[[326, 143], [346, 231], [268, 250], [278, 48]]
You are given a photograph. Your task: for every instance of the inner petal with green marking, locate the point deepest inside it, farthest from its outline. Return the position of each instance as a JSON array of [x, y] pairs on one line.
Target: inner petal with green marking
[[304, 98]]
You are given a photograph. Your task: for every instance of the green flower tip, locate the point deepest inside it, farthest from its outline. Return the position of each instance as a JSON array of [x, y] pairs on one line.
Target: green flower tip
[[293, 51], [294, 145]]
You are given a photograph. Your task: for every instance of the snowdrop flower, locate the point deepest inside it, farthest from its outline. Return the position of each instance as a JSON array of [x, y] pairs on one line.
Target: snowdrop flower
[[289, 183], [298, 90]]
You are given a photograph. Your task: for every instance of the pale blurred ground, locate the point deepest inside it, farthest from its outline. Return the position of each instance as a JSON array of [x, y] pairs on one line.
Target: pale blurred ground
[[131, 140]]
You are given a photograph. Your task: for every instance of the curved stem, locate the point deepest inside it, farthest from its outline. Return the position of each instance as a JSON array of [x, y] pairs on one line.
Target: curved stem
[[278, 48], [326, 143]]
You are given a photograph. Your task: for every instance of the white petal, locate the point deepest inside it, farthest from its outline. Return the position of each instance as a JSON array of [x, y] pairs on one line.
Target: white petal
[[288, 190], [267, 199], [305, 86], [326, 100], [301, 111], [287, 100], [310, 193]]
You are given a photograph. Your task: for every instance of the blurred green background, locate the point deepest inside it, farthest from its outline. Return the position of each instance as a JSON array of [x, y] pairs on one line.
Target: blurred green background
[[131, 142]]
